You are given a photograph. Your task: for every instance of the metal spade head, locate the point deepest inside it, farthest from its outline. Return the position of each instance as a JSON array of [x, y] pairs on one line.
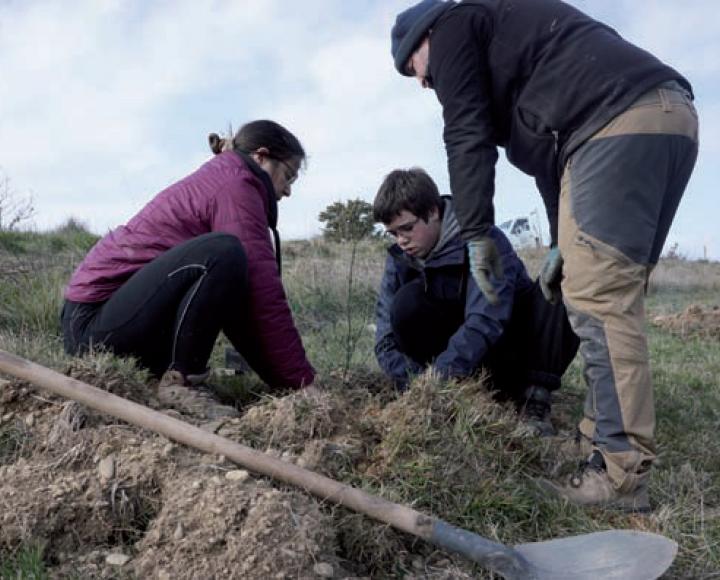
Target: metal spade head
[[613, 554]]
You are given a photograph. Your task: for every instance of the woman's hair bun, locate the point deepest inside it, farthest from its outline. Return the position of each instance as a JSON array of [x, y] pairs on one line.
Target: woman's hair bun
[[217, 143]]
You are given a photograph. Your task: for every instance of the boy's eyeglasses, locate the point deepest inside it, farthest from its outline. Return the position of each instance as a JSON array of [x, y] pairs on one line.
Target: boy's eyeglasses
[[402, 229]]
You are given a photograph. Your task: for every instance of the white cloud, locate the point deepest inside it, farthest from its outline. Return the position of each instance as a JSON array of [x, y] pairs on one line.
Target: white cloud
[[86, 89], [104, 103]]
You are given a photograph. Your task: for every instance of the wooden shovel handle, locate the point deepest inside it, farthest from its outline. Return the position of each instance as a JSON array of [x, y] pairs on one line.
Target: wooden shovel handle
[[494, 555]]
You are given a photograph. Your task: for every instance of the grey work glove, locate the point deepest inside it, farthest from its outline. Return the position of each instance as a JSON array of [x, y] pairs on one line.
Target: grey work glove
[[484, 261], [551, 274]]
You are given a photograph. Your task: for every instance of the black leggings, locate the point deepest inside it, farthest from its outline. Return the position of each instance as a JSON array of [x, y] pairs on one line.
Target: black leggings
[[170, 312], [536, 347]]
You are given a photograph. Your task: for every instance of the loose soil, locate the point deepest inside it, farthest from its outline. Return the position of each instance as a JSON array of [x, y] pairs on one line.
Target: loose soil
[[108, 500], [694, 321]]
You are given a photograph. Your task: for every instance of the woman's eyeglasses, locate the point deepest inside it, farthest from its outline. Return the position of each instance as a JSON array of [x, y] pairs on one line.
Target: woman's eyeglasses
[[291, 174]]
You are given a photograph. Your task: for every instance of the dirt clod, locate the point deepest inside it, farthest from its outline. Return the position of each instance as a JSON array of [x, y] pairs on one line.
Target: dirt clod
[[695, 320]]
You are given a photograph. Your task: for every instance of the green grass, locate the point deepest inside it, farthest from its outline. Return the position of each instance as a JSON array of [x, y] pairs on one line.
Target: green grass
[[445, 449], [40, 314], [25, 564], [70, 237], [12, 438], [34, 268]]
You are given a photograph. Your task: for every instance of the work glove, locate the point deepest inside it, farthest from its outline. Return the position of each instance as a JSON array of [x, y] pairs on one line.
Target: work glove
[[551, 274], [484, 261]]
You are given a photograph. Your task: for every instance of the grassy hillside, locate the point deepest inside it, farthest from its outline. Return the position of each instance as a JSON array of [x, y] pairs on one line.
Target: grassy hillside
[[446, 448]]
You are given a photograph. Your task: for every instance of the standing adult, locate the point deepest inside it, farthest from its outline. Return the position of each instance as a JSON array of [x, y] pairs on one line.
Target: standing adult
[[203, 256], [610, 135]]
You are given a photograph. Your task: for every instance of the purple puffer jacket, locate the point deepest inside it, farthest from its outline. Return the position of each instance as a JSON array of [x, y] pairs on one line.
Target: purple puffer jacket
[[227, 195]]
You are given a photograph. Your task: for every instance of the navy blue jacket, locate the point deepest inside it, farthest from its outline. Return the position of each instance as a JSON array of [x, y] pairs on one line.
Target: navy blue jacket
[[448, 272]]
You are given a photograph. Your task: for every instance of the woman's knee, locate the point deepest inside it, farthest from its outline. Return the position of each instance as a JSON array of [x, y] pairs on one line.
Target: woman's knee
[[228, 252]]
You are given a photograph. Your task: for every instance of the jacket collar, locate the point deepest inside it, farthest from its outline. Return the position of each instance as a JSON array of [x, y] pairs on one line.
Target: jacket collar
[[262, 175], [272, 213]]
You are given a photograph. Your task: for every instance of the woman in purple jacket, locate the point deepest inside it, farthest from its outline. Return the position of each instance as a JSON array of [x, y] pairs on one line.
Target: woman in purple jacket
[[198, 259]]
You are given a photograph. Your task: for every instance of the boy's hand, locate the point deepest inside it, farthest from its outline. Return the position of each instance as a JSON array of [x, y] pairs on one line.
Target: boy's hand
[[484, 262]]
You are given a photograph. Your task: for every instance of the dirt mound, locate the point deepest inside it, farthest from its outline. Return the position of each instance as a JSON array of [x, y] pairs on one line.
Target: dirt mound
[[695, 320], [232, 526], [108, 500], [88, 492]]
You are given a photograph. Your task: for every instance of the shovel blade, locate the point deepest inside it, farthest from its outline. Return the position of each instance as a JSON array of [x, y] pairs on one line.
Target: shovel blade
[[613, 554]]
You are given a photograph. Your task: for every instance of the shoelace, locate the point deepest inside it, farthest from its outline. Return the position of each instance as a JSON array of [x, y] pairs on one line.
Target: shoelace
[[591, 463]]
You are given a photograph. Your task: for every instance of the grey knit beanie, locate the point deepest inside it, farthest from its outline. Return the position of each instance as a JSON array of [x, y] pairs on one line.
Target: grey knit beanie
[[410, 28]]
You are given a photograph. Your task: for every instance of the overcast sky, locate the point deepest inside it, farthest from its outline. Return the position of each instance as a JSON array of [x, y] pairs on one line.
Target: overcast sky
[[103, 103]]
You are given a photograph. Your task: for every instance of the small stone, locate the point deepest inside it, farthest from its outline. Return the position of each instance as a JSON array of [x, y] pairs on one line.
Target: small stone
[[324, 570], [237, 475], [216, 480], [164, 575], [30, 420], [106, 469], [168, 449], [197, 484], [117, 559], [418, 563], [179, 533]]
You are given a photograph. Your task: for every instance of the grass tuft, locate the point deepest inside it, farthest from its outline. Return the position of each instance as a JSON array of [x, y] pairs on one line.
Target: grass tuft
[[14, 437], [25, 564]]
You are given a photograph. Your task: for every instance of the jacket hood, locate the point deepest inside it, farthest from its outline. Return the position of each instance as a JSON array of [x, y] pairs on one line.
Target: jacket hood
[[449, 229]]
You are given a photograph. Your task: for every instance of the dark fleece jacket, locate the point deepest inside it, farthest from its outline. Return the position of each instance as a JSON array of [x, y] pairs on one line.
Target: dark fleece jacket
[[537, 77]]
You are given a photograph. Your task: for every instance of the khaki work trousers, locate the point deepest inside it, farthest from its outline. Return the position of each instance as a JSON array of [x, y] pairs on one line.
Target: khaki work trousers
[[619, 193]]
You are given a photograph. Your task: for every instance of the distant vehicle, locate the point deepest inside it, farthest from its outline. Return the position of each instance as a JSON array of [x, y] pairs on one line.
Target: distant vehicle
[[521, 234]]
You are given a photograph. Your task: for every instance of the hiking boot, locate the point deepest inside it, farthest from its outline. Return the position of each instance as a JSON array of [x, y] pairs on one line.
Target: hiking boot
[[577, 446], [591, 486], [534, 413], [190, 395]]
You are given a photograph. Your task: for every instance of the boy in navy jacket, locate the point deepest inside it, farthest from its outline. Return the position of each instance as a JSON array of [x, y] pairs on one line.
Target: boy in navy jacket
[[430, 311]]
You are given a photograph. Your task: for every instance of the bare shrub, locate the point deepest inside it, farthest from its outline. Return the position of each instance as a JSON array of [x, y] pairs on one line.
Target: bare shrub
[[15, 207]]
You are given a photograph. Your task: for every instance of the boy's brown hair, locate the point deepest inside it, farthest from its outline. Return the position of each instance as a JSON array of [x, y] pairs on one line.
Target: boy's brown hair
[[406, 189]]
